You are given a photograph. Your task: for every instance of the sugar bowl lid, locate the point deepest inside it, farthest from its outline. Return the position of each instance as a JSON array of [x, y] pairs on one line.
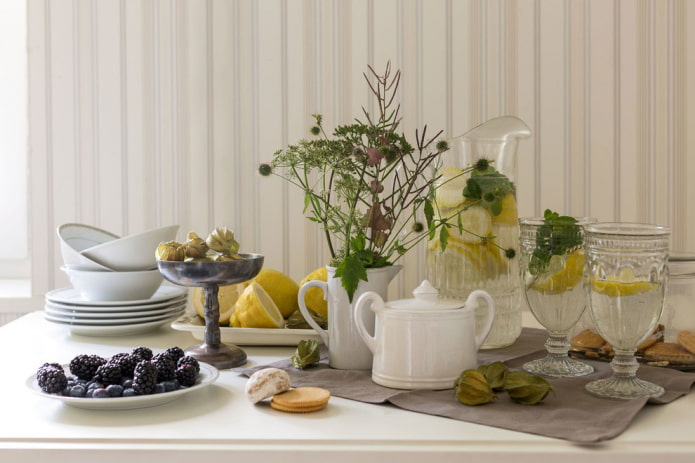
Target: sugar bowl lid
[[426, 298]]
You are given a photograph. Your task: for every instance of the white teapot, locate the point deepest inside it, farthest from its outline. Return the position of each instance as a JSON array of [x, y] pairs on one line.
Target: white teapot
[[423, 343]]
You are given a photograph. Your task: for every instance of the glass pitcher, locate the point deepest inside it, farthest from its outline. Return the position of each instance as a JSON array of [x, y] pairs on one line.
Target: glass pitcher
[[478, 201]]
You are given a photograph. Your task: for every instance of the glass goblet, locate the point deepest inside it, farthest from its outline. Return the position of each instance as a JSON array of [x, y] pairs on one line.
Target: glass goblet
[[552, 268], [626, 276]]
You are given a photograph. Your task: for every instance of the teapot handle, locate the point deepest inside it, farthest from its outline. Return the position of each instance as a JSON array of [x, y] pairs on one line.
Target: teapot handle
[[487, 326], [376, 303], [305, 312]]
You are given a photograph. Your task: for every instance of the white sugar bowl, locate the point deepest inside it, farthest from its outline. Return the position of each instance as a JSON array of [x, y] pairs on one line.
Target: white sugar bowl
[[423, 343]]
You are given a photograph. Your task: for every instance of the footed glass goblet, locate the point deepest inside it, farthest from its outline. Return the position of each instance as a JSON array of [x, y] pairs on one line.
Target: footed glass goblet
[[212, 275], [552, 268], [625, 283]]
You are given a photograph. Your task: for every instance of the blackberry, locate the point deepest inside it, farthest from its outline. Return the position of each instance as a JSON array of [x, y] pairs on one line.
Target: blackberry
[[188, 360], [127, 363], [166, 367], [186, 375], [175, 353], [145, 378], [51, 380], [52, 365], [108, 373], [144, 352], [85, 366]]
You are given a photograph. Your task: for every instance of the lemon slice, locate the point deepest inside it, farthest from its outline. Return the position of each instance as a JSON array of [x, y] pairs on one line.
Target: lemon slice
[[449, 193], [476, 221], [313, 298], [281, 288], [227, 297], [256, 309], [624, 284], [566, 274]]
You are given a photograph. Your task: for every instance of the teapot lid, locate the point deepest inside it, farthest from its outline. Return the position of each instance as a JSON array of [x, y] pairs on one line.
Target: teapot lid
[[426, 297]]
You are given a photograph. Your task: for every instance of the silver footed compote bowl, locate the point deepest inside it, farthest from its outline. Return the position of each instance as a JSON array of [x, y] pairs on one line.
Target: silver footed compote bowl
[[210, 276]]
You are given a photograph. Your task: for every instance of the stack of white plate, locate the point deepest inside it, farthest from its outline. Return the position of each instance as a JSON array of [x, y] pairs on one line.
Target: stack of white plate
[[66, 307]]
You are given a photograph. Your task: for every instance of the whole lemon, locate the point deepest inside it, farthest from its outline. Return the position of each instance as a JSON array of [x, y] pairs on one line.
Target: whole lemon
[[256, 309], [313, 298], [227, 297], [280, 287]]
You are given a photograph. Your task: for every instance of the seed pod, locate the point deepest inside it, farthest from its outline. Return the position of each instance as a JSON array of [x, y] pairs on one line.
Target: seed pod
[[526, 389], [473, 389], [222, 240], [224, 258], [170, 250], [195, 247], [494, 374]]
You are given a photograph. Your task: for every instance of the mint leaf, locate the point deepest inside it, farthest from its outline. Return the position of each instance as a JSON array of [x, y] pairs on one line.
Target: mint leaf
[[559, 235], [351, 270]]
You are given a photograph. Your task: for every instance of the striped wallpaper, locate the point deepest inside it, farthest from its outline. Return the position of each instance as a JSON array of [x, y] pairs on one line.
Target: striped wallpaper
[[149, 113]]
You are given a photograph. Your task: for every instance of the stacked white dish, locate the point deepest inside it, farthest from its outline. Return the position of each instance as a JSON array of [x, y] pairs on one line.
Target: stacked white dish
[[65, 306]]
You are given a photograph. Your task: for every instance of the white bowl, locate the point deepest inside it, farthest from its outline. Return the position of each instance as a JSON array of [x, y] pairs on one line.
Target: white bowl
[[75, 238], [113, 286], [132, 252]]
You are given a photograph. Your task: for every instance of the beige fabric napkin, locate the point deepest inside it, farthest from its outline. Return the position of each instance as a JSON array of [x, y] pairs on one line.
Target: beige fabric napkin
[[571, 413]]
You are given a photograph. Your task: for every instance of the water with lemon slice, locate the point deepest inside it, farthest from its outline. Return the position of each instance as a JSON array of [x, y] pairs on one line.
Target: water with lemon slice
[[469, 263]]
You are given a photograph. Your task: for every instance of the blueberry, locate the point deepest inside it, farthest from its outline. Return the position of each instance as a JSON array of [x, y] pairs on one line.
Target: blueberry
[[115, 390], [127, 383], [159, 388], [128, 392], [100, 393], [170, 385], [78, 390]]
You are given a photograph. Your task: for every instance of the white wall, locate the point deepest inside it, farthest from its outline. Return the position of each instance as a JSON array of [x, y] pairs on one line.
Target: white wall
[[149, 113]]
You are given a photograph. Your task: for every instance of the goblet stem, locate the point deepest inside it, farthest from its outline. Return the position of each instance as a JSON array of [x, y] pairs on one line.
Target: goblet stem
[[211, 310], [624, 384]]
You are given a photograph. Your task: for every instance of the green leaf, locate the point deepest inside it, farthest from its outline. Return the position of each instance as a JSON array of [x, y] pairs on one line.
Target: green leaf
[[351, 270], [444, 237], [429, 212], [307, 354], [307, 201]]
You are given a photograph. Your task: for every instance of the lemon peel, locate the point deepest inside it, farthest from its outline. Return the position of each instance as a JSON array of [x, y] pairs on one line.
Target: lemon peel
[[566, 278], [313, 298], [256, 309]]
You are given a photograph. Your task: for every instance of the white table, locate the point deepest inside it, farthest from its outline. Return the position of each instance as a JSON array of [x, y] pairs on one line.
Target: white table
[[217, 423]]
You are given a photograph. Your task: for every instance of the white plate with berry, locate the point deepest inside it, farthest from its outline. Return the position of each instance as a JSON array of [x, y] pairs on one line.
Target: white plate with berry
[[207, 375]]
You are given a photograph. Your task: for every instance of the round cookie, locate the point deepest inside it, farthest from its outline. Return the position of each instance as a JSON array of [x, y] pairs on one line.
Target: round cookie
[[301, 400], [687, 340]]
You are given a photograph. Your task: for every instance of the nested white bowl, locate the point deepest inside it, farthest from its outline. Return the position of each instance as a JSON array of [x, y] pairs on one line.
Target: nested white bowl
[[133, 252], [76, 237], [113, 286]]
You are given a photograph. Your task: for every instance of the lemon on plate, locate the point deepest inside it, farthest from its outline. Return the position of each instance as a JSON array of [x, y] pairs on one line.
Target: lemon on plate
[[621, 285], [565, 274], [256, 309], [227, 297], [281, 288], [313, 298]]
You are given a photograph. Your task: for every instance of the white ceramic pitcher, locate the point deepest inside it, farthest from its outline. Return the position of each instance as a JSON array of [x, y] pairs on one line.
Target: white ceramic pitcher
[[346, 351], [423, 343]]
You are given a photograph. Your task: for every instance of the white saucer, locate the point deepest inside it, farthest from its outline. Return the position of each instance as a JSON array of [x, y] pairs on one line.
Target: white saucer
[[116, 316], [120, 322], [71, 296], [113, 311], [208, 375]]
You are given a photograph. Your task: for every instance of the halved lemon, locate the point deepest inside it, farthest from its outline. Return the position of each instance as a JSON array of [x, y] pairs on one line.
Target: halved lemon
[[280, 287], [256, 309], [227, 297]]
